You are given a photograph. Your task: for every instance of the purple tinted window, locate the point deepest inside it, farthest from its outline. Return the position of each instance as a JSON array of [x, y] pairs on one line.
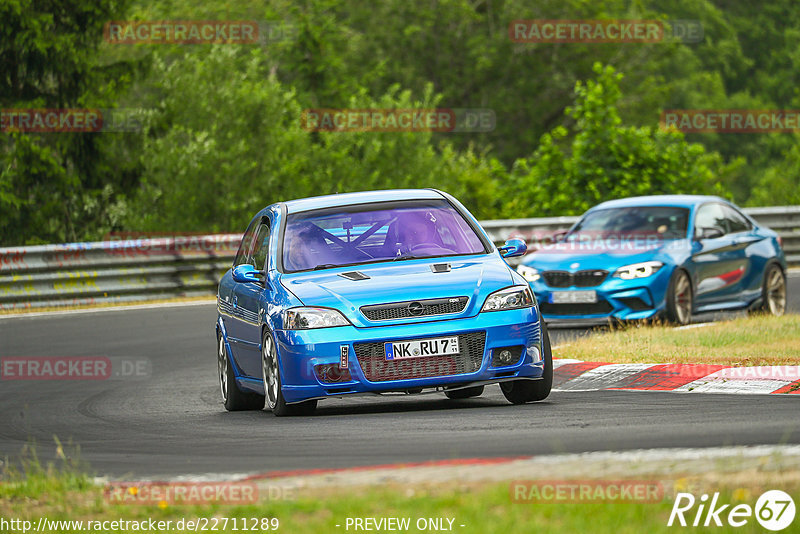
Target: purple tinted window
[[352, 235]]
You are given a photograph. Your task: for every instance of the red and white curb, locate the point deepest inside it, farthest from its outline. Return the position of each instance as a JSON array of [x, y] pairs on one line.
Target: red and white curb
[[576, 375]]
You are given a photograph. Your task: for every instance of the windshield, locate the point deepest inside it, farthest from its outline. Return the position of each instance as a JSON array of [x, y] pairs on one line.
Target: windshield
[[390, 231], [660, 222]]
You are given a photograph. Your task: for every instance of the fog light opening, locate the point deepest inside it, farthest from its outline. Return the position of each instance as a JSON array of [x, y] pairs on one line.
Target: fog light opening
[[331, 373], [505, 356], [536, 357]]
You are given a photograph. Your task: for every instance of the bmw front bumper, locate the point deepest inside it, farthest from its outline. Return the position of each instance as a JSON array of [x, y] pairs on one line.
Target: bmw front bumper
[[617, 299]]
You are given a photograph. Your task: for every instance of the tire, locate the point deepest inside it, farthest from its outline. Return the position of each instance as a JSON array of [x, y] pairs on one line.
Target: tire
[[233, 398], [465, 393], [271, 376], [522, 391], [773, 291], [680, 298]]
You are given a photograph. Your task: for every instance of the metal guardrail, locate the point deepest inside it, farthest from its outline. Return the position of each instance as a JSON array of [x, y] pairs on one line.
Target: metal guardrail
[[114, 271], [136, 268]]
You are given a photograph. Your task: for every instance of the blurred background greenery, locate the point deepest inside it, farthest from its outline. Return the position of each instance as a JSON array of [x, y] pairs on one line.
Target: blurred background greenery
[[576, 123]]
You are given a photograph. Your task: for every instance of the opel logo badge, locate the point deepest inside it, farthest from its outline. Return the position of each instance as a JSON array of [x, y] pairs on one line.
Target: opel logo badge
[[416, 308]]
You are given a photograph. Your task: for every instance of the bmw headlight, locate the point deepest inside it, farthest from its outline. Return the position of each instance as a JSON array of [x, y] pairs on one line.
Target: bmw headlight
[[528, 273], [510, 298], [638, 270], [306, 318]]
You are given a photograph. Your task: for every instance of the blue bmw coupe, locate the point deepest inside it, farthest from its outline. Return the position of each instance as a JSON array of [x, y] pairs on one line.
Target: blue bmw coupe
[[374, 293], [658, 256]]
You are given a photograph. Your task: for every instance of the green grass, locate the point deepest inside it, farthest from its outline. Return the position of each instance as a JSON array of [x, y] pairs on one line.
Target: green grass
[[746, 341], [66, 493], [482, 510], [32, 480]]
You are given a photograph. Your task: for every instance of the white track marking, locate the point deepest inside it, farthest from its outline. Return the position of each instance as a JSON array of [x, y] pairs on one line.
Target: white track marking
[[733, 386], [558, 362], [690, 326], [603, 376], [748, 380]]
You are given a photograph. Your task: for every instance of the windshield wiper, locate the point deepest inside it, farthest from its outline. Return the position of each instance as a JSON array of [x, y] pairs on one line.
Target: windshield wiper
[[325, 266], [407, 257]]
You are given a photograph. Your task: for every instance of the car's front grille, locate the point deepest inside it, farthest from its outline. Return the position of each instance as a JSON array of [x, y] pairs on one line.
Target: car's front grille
[[595, 308], [589, 278], [376, 368], [414, 308]]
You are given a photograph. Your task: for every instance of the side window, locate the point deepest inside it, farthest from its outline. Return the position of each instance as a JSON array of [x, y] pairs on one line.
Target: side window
[[244, 247], [710, 216], [736, 221], [261, 246]]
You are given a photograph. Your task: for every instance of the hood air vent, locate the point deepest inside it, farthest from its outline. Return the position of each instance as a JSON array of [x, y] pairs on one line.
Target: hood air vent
[[354, 275]]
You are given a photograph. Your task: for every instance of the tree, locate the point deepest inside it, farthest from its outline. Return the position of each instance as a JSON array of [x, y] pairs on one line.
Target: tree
[[603, 159], [228, 140], [55, 186]]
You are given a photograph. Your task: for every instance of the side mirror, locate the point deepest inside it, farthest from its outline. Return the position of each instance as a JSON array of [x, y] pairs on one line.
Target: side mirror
[[247, 273], [513, 248], [712, 232]]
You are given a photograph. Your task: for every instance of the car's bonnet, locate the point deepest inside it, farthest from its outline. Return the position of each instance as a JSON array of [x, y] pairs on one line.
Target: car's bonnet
[[409, 280]]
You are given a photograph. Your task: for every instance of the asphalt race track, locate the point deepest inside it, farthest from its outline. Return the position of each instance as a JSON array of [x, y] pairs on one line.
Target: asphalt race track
[[171, 422]]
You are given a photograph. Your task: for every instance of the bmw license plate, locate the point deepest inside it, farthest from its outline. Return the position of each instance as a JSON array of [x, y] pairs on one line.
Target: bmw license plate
[[573, 297], [421, 347]]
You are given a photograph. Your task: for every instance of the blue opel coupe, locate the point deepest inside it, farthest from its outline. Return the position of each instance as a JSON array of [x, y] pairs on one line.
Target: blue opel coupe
[[374, 293], [658, 256]]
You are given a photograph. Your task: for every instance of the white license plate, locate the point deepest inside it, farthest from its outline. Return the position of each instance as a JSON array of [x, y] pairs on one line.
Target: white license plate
[[419, 348], [573, 297]]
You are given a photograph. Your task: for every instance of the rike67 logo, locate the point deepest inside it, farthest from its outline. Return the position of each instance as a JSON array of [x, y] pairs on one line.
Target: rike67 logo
[[774, 510]]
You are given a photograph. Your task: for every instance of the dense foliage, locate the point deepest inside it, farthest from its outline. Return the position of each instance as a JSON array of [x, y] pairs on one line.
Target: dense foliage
[[576, 123]]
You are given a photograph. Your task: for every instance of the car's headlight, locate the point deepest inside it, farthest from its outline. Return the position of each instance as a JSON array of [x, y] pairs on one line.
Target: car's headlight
[[305, 318], [638, 270], [509, 299], [528, 273]]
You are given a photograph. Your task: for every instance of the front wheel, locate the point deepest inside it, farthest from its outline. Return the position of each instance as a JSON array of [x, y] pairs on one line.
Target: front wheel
[[679, 298], [522, 391], [773, 291], [271, 375], [232, 397]]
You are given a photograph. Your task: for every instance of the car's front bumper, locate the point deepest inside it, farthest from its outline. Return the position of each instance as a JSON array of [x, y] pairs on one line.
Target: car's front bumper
[[300, 351], [617, 299]]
